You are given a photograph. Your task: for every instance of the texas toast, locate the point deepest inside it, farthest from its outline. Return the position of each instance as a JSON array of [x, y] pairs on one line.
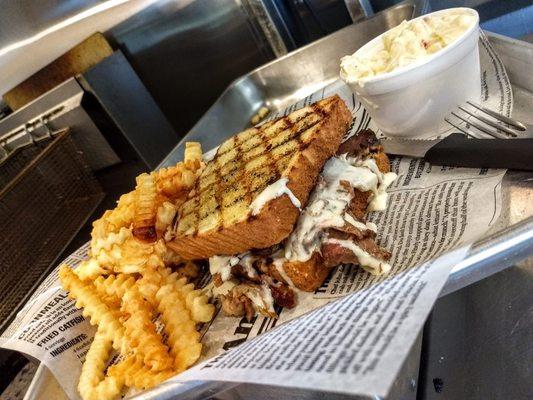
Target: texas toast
[[331, 230], [223, 217]]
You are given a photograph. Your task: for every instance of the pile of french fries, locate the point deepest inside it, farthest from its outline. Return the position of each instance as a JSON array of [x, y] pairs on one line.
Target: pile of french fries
[[128, 289]]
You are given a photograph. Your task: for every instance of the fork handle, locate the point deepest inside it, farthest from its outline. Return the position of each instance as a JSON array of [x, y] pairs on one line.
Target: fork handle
[[459, 151]]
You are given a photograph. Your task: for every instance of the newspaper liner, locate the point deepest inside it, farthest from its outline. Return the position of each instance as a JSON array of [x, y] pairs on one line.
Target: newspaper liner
[[353, 334]]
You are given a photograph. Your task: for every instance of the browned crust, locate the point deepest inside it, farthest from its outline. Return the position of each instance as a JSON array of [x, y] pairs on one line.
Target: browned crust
[[308, 275], [358, 204], [382, 161], [277, 218]]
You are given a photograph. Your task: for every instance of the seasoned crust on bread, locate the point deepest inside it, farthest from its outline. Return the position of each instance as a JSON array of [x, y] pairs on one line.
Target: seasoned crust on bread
[[217, 219]]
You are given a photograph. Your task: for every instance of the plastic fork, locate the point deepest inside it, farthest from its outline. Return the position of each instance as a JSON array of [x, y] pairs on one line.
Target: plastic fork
[[488, 122]]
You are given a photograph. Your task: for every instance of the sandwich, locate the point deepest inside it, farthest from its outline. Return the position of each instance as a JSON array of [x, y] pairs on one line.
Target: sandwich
[[280, 205]]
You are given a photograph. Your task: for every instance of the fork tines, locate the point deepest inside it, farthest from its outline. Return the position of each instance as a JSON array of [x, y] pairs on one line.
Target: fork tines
[[493, 124]]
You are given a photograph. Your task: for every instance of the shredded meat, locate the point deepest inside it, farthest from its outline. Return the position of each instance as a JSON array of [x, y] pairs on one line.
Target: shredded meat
[[240, 272], [382, 161], [245, 299], [363, 144], [335, 254], [237, 305], [217, 280], [359, 144], [358, 204], [266, 252], [282, 294], [352, 231]]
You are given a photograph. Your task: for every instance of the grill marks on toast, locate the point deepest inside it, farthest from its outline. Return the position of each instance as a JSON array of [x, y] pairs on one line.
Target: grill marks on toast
[[243, 167]]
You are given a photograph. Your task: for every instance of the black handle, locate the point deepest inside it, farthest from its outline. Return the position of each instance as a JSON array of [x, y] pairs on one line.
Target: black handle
[[459, 151]]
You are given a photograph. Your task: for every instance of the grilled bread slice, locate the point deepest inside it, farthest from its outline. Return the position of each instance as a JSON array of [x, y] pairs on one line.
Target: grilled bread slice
[[217, 218]]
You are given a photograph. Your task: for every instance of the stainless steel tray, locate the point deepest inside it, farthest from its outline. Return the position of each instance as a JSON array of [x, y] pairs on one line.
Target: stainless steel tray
[[300, 73]]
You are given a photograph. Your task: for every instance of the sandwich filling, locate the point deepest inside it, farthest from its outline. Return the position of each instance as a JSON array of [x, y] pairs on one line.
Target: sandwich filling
[[328, 206], [331, 230], [271, 192]]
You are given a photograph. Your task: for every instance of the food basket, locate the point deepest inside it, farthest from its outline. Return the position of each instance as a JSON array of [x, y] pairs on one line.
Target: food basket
[[47, 192]]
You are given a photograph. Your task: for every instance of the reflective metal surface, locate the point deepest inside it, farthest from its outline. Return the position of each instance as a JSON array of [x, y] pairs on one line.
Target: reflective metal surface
[[34, 33], [286, 80], [359, 9], [125, 100], [64, 108], [23, 18], [187, 52], [478, 342], [492, 255]]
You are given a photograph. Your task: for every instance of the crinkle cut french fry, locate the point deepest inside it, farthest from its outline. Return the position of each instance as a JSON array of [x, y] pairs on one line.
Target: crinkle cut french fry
[[114, 285], [151, 281], [145, 208], [195, 301], [175, 182], [90, 269], [123, 214], [137, 375], [125, 283], [193, 155], [139, 327], [165, 216], [183, 339], [144, 339], [113, 220], [188, 178], [95, 308], [198, 304], [106, 243], [92, 384], [122, 253]]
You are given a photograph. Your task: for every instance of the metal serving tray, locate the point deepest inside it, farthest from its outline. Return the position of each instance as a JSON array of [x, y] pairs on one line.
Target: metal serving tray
[[302, 72]]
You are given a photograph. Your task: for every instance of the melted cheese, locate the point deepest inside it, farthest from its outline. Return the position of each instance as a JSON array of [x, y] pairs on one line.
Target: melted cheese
[[378, 202], [367, 261], [278, 263], [369, 226], [224, 289], [262, 299], [246, 261], [271, 192], [330, 199], [222, 265]]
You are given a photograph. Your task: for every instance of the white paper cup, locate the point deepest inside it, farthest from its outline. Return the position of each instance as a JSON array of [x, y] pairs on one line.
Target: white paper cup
[[412, 101]]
